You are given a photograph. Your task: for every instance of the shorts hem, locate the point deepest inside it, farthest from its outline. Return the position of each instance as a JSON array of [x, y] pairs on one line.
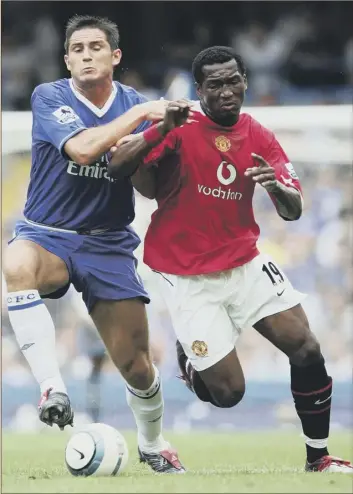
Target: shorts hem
[[60, 292], [145, 299], [210, 360], [268, 311]]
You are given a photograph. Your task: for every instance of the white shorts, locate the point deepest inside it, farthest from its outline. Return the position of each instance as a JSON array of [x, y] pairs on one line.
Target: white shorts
[[210, 311]]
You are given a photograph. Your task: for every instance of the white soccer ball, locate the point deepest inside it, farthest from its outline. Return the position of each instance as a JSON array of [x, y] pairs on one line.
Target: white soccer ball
[[96, 449]]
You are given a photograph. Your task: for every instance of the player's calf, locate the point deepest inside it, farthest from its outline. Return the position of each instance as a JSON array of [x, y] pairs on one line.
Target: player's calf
[[312, 392], [311, 385], [225, 381], [124, 329], [225, 396]]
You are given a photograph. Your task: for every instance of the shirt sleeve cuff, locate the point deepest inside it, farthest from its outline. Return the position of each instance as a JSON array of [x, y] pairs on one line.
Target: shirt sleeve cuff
[[152, 135], [66, 138]]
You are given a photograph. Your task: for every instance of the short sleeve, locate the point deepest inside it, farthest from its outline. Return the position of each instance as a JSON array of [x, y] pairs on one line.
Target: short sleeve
[[167, 146], [146, 124], [277, 158], [54, 120]]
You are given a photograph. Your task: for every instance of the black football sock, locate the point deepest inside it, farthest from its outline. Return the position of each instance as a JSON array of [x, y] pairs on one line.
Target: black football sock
[[312, 390]]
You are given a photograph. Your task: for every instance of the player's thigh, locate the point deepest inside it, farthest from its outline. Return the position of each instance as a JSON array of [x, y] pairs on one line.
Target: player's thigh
[[199, 320], [261, 289], [289, 331], [27, 265], [106, 269], [272, 306], [123, 327]]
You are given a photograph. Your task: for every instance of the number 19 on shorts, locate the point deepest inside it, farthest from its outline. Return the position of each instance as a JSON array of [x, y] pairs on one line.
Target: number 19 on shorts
[[273, 273]]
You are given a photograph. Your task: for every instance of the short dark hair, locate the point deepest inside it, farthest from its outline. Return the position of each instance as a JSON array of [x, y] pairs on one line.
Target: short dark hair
[[213, 55], [78, 22]]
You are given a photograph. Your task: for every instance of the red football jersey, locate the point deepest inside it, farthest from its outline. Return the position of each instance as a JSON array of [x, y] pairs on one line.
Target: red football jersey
[[205, 221]]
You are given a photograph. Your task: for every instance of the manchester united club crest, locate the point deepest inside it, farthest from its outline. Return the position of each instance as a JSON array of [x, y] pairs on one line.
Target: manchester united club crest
[[222, 143], [199, 348]]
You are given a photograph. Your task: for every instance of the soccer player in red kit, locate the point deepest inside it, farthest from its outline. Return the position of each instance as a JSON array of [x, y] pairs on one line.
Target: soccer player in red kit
[[202, 164]]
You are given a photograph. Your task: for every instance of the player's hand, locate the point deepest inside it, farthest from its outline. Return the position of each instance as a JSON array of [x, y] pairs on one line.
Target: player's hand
[[262, 173], [123, 140], [154, 110], [177, 113]]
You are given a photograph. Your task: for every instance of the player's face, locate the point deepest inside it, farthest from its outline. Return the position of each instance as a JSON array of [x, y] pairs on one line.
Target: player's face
[[222, 90], [90, 58]]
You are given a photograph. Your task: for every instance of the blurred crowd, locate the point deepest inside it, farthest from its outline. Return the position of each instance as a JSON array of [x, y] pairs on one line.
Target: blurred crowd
[[296, 52]]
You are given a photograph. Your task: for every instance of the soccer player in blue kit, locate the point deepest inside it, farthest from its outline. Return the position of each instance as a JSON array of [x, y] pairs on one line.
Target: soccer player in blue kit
[[76, 230]]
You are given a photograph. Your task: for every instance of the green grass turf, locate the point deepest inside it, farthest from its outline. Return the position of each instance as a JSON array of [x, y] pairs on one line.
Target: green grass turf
[[229, 462]]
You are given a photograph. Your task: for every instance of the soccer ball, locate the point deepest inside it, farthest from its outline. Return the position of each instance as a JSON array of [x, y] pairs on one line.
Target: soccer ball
[[96, 449]]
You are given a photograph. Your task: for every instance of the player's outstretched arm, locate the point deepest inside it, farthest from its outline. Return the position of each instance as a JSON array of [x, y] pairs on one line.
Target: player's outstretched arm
[[287, 200], [145, 181], [87, 146], [127, 157]]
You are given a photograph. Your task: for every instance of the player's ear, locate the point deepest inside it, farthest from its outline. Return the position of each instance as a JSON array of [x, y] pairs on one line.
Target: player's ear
[[117, 54], [66, 59], [198, 89], [245, 81]]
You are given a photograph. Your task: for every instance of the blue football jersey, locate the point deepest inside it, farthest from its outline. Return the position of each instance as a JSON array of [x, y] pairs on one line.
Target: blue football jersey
[[62, 193]]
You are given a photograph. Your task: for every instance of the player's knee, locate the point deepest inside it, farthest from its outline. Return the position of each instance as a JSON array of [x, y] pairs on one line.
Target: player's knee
[[18, 276], [225, 397], [309, 352], [138, 371]]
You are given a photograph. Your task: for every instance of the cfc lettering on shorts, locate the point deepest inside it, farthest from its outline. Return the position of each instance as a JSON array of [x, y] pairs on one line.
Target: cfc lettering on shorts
[[23, 300]]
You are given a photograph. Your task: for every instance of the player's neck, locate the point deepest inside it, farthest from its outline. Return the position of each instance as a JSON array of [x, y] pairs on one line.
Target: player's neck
[[224, 122], [97, 93]]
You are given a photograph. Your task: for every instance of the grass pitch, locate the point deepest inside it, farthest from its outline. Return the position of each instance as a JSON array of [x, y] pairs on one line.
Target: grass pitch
[[231, 462]]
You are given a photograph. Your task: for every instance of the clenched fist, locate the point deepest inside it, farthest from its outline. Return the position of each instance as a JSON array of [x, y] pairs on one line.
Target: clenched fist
[[177, 113]]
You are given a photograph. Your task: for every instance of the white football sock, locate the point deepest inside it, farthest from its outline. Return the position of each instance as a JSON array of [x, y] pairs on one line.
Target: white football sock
[[147, 407], [35, 333]]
